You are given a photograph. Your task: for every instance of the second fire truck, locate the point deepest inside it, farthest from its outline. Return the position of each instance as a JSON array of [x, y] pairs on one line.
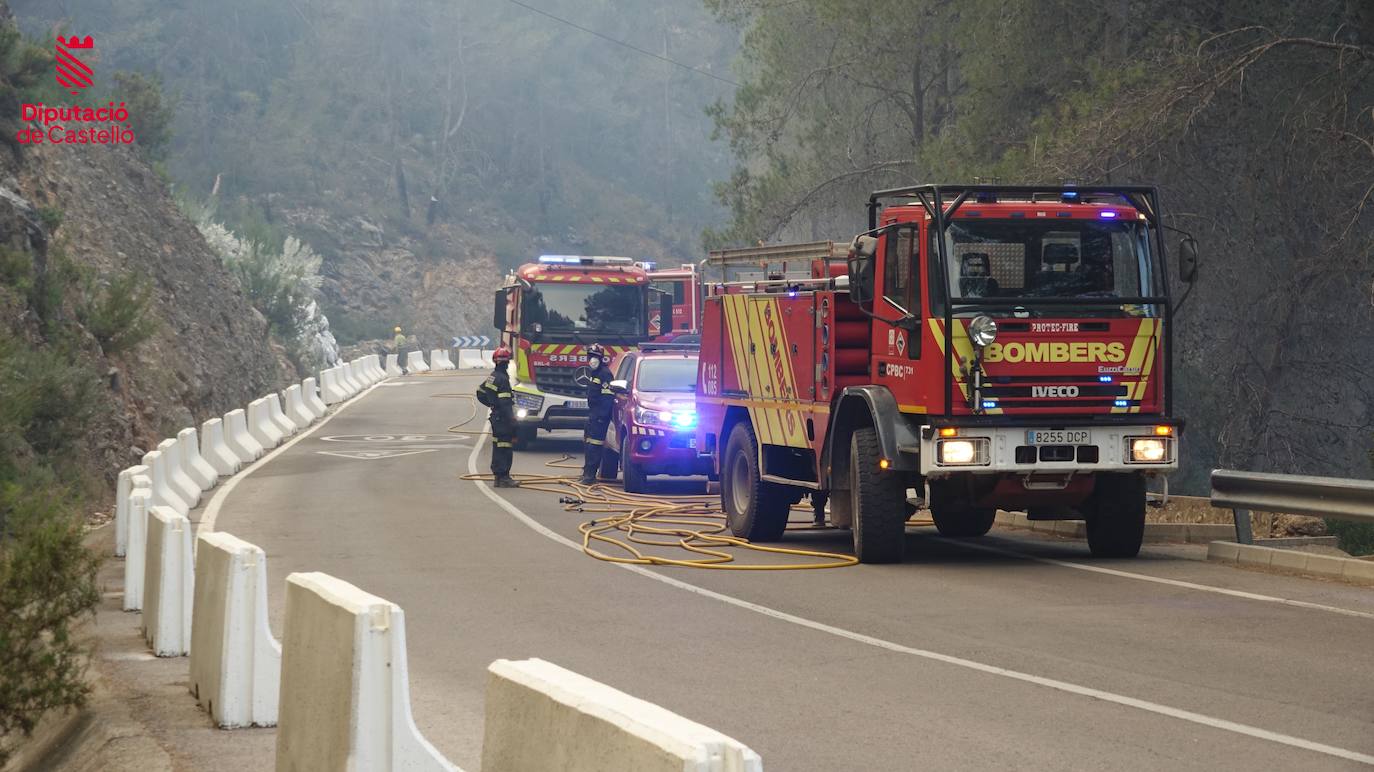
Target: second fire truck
[[983, 346]]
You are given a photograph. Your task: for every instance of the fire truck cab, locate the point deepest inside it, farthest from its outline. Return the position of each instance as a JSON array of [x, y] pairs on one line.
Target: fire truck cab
[[682, 285], [988, 347], [548, 312]]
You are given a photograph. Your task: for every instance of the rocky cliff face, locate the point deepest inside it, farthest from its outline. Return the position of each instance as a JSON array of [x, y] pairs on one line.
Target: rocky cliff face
[[435, 284], [211, 352]]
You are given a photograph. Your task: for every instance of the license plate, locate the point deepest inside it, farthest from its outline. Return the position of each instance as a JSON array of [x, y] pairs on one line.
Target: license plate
[[1059, 437], [576, 404]]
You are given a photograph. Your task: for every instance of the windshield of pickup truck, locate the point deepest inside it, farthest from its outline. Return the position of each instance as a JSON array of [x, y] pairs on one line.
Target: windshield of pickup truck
[[676, 374], [1043, 258]]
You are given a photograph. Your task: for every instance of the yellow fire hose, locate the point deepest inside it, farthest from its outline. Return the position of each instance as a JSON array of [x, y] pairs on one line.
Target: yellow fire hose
[[694, 524]]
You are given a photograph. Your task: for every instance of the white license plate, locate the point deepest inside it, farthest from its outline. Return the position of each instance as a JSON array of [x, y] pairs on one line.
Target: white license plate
[[576, 404], [1059, 437]]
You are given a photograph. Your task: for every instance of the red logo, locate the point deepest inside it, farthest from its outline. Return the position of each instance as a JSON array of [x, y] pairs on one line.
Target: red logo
[[72, 73]]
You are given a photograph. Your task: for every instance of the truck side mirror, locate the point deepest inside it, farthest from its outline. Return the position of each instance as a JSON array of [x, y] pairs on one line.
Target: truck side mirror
[[620, 386], [861, 254], [498, 313], [1187, 259]]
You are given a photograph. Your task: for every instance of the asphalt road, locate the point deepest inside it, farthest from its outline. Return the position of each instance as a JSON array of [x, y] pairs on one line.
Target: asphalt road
[[1010, 651]]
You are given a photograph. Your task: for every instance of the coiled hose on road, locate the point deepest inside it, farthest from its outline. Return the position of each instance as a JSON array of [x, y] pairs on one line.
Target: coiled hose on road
[[691, 523]]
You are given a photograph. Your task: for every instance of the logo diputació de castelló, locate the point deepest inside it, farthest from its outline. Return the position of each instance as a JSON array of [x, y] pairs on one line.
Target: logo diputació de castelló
[[74, 124]]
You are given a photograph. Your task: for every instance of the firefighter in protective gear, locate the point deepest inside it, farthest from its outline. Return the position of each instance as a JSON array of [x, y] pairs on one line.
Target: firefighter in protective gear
[[495, 392], [600, 404]]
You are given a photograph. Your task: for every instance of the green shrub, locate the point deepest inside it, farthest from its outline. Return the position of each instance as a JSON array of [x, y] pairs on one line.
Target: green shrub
[[51, 217], [1355, 538], [118, 314], [47, 581], [45, 398]]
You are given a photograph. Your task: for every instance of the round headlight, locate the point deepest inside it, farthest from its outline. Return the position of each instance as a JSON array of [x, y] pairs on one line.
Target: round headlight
[[982, 331]]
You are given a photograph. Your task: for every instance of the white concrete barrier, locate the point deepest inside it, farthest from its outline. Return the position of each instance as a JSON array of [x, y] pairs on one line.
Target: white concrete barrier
[[261, 425], [279, 417], [540, 716], [415, 362], [140, 501], [181, 482], [216, 451], [310, 393], [470, 360], [351, 379], [200, 471], [296, 410], [379, 367], [449, 364], [163, 494], [436, 360], [168, 582], [123, 487], [393, 365], [369, 371], [239, 439], [345, 695], [235, 661], [331, 387], [487, 360]]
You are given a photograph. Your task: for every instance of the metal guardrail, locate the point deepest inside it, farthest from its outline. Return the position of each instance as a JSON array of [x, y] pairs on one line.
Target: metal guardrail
[[1292, 494]]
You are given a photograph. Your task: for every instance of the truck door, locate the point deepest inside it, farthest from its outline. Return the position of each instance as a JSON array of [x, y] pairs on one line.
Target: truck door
[[898, 294]]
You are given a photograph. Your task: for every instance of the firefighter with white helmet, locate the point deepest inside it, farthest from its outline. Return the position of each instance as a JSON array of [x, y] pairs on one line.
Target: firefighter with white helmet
[[495, 392], [600, 405]]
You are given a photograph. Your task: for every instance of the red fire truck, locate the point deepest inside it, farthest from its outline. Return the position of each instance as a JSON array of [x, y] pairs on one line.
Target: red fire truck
[[548, 312], [987, 346], [684, 288]]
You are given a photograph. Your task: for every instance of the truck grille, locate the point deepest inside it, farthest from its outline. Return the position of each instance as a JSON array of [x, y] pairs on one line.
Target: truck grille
[[558, 380]]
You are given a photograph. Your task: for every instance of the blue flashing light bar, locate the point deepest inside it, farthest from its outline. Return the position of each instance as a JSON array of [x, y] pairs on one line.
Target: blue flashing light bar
[[560, 259], [1104, 378], [1122, 403], [989, 404], [1107, 215]]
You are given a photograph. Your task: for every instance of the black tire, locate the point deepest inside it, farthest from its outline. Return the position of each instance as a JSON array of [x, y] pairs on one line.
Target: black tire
[[755, 510], [635, 479], [1116, 516], [955, 517], [524, 437], [879, 502]]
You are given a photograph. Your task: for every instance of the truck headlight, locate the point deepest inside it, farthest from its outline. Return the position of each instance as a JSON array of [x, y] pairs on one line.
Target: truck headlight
[[1149, 450], [982, 331], [962, 452]]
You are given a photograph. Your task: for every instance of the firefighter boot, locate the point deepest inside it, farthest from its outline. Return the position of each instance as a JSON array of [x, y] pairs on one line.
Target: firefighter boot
[[507, 482]]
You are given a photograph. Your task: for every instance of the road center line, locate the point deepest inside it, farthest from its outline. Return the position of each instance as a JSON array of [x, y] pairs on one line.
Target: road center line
[[1161, 580], [1062, 686]]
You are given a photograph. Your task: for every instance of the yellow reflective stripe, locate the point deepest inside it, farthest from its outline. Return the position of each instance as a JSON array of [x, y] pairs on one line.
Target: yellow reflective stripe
[[591, 441], [500, 444], [503, 394]]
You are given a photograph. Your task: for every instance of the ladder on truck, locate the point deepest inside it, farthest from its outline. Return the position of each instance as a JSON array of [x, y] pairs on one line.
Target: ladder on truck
[[770, 268]]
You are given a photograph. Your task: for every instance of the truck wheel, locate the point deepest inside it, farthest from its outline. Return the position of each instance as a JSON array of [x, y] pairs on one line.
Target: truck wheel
[[755, 510], [524, 437], [1116, 516], [635, 479], [878, 502], [841, 509], [955, 517]]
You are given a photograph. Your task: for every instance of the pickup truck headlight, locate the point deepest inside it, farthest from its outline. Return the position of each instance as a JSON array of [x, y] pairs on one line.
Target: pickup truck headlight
[[676, 419]]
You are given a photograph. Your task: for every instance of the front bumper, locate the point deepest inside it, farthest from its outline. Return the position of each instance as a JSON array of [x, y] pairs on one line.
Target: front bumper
[[1084, 449], [665, 451], [540, 410]]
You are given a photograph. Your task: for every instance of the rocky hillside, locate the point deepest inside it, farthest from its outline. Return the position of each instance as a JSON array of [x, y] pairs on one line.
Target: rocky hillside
[[76, 219], [435, 283]]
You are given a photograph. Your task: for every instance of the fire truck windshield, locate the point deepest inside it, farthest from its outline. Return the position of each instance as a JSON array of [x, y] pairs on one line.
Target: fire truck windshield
[[612, 309], [1061, 258]]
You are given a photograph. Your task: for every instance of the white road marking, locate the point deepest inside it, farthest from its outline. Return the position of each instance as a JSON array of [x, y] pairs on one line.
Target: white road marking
[[211, 513], [1161, 580], [1062, 686], [374, 455]]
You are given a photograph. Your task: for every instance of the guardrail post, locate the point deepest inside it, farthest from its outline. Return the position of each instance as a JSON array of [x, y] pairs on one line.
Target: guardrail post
[[1243, 532]]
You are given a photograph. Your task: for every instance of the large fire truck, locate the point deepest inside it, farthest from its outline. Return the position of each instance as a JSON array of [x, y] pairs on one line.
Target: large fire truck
[[683, 286], [983, 346], [548, 312]]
